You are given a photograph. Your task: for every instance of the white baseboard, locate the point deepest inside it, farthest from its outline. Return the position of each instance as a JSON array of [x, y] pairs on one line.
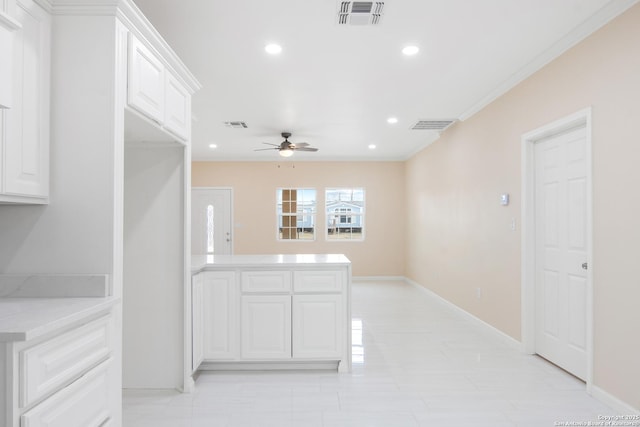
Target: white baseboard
[[378, 278], [620, 407], [506, 338]]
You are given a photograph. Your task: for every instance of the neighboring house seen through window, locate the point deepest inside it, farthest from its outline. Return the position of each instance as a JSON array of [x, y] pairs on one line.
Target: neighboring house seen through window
[[344, 208]]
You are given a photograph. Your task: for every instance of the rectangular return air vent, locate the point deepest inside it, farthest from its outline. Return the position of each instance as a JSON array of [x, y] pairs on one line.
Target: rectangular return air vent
[[236, 125], [360, 12], [437, 125]]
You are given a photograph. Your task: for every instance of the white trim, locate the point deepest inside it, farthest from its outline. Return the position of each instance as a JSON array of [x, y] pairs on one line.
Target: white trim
[[581, 118], [138, 24], [579, 33], [8, 22], [620, 407], [379, 279], [188, 384], [509, 340]]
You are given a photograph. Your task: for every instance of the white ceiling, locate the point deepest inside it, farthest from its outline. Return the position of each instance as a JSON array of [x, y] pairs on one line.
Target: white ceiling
[[334, 86]]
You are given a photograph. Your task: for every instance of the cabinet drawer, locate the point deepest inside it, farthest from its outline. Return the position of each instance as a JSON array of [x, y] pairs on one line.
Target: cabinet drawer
[[52, 364], [266, 281], [85, 403], [318, 281]]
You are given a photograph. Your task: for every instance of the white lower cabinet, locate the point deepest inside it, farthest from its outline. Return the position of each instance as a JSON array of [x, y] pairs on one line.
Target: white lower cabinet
[[283, 316], [85, 403], [197, 322], [220, 315], [318, 326], [64, 378], [266, 327]]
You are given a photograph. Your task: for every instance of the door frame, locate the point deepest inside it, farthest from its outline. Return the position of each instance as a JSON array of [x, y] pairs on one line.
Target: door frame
[[579, 119], [231, 226]]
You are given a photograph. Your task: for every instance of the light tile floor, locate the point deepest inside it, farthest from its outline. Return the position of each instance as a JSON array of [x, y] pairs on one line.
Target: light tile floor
[[417, 363]]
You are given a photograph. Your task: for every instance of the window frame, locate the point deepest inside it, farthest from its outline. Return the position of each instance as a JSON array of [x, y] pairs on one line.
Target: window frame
[[350, 216], [301, 214]]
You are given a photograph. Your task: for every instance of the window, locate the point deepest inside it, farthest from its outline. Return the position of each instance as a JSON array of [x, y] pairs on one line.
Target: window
[[296, 212], [344, 208], [344, 219]]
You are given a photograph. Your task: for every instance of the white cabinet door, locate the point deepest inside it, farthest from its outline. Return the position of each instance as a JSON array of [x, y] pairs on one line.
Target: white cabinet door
[[318, 326], [220, 297], [6, 66], [197, 321], [7, 27], [146, 81], [177, 114], [25, 158], [266, 327]]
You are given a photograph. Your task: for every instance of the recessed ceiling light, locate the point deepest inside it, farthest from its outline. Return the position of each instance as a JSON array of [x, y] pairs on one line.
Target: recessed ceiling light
[[410, 50], [273, 48], [372, 146], [213, 146], [392, 120]]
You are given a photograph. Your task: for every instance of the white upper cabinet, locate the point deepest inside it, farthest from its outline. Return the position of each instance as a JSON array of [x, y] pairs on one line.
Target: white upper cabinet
[[24, 132], [146, 81], [8, 25], [177, 116], [156, 93]]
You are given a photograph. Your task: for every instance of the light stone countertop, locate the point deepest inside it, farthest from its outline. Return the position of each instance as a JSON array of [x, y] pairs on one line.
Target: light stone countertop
[[34, 305], [23, 319], [204, 262]]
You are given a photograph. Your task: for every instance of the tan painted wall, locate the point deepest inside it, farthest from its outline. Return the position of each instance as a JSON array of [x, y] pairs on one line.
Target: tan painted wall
[[254, 190], [458, 235]]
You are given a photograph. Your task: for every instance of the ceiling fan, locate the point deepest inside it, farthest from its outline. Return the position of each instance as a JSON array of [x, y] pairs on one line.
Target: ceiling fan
[[286, 148]]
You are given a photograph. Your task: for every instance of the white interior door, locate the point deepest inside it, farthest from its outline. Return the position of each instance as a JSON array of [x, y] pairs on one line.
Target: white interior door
[[211, 221], [561, 183]]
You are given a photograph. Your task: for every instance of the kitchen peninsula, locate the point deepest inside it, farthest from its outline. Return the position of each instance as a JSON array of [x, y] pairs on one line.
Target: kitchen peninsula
[[271, 312]]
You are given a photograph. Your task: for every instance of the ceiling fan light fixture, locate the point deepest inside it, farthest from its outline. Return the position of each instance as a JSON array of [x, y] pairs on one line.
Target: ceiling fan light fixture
[[273, 48], [410, 50], [286, 153]]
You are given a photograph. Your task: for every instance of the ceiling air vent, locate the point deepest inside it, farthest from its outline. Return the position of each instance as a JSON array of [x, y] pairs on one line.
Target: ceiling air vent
[[236, 125], [360, 12], [437, 125]]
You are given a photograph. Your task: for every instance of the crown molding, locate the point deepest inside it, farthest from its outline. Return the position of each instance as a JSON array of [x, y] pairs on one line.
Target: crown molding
[[579, 33], [135, 21]]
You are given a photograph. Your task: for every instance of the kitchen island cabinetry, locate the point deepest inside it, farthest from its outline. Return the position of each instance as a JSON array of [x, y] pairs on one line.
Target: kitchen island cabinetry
[[271, 312]]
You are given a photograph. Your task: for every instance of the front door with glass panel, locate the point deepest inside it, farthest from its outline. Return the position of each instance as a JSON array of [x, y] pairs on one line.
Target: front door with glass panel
[[211, 221]]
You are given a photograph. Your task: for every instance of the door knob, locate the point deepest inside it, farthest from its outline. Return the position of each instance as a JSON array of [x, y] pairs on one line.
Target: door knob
[[585, 266]]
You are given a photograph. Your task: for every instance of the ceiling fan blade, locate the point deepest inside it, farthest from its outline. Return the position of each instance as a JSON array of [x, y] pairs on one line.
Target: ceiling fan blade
[[306, 149], [301, 144], [268, 143], [265, 149]]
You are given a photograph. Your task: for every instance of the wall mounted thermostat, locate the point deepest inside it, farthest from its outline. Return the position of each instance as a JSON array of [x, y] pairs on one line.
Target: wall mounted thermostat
[[504, 199]]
